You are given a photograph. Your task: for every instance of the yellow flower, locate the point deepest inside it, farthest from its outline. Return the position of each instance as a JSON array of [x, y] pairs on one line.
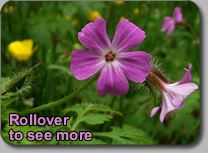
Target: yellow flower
[[6, 10], [136, 11], [92, 15], [118, 2], [67, 17], [121, 18], [75, 22], [11, 9], [22, 50]]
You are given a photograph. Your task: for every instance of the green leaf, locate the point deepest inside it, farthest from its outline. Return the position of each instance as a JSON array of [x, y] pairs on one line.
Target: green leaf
[[92, 142], [4, 83], [94, 118], [84, 108], [77, 108], [24, 130], [125, 135], [103, 108], [5, 114], [128, 131], [8, 101]]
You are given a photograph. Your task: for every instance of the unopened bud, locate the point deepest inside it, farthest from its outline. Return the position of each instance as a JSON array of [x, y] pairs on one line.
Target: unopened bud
[[19, 80]]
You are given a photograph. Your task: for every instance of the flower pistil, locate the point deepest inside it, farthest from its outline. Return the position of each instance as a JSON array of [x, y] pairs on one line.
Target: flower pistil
[[109, 56]]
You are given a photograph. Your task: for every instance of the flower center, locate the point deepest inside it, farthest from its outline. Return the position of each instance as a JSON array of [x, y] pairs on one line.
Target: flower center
[[109, 56]]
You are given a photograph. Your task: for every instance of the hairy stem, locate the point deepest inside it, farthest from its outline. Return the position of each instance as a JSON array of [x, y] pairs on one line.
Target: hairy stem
[[60, 101]]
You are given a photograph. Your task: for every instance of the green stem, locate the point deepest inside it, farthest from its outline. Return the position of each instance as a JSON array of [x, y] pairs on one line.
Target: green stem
[[79, 119], [112, 101], [110, 15], [192, 32], [185, 23], [76, 123], [121, 110], [60, 101]]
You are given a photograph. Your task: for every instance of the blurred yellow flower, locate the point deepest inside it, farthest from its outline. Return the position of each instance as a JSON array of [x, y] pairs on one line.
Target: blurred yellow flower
[[75, 22], [11, 9], [92, 15], [118, 2], [67, 17], [121, 18], [6, 10], [22, 50], [136, 11]]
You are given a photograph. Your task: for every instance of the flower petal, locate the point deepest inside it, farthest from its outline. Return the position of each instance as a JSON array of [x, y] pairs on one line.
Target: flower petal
[[127, 36], [84, 64], [187, 76], [167, 22], [180, 92], [135, 65], [177, 14], [112, 80], [171, 28], [94, 36], [180, 106], [166, 105], [21, 50], [28, 44], [155, 110]]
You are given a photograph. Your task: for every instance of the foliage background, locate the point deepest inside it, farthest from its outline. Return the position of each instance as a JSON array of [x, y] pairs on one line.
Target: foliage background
[[56, 35]]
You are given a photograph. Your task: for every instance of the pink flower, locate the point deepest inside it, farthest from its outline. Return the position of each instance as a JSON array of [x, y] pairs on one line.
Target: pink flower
[[169, 22], [112, 59], [174, 94]]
